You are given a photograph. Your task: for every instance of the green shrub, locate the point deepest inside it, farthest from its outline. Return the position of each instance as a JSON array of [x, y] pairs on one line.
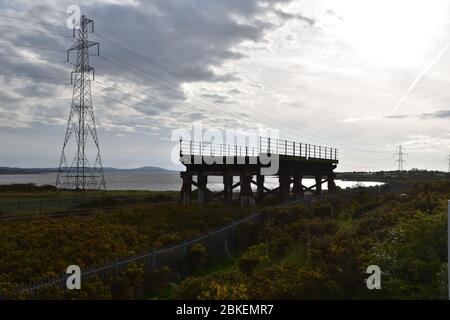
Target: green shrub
[[254, 256], [197, 257]]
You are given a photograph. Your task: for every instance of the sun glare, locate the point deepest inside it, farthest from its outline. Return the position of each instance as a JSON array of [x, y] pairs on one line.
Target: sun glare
[[391, 31]]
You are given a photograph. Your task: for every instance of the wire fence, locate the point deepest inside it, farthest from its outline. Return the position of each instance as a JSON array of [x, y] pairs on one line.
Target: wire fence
[[221, 244]]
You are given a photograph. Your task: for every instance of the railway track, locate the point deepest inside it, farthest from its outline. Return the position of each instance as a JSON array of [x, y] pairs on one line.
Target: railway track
[[71, 213]]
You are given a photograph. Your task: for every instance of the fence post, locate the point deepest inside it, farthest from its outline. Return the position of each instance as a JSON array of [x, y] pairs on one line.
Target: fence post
[[154, 259], [208, 240], [184, 249], [232, 249], [116, 267]]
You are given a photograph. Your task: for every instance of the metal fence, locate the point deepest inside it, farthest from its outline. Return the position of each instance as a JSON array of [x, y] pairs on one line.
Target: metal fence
[[220, 244], [265, 145]]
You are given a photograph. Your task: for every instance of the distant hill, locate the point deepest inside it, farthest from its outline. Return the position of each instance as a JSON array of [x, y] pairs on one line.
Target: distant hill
[[148, 169]]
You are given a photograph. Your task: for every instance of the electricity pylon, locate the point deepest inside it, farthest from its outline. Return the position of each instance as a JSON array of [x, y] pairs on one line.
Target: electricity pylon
[[400, 153], [448, 159], [81, 142]]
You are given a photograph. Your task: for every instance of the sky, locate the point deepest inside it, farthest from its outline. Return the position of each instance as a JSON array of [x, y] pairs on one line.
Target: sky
[[363, 76]]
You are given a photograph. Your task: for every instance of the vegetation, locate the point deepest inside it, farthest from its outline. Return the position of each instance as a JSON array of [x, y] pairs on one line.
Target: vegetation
[[43, 248], [316, 251], [29, 198], [322, 252]]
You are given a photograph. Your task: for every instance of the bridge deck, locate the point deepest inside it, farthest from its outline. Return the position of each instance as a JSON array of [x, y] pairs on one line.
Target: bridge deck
[[291, 157]]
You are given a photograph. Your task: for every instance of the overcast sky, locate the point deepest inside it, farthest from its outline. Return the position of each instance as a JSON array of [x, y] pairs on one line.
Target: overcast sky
[[361, 75]]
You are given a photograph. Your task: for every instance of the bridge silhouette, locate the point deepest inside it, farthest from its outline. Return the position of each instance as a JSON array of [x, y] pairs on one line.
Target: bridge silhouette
[[290, 161]]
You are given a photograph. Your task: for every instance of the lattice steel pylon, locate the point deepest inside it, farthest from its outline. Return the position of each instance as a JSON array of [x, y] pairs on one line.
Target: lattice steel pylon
[[401, 154], [81, 139]]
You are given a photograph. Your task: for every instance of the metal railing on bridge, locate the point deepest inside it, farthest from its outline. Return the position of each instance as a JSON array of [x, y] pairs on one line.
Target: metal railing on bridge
[[265, 145]]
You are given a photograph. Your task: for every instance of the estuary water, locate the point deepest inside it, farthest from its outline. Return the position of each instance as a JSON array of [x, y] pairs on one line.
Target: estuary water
[[156, 181]]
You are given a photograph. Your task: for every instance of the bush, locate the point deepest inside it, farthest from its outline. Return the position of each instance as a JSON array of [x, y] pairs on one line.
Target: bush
[[216, 286], [252, 258], [324, 210], [129, 284], [290, 281], [196, 258], [156, 282]]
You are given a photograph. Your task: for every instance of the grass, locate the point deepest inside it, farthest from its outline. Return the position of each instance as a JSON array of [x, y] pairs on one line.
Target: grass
[[28, 198]]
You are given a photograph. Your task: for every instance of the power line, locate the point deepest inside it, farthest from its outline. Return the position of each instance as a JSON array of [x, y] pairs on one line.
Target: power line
[[30, 58], [284, 126], [37, 31], [31, 21], [36, 6], [184, 79], [32, 46], [30, 76]]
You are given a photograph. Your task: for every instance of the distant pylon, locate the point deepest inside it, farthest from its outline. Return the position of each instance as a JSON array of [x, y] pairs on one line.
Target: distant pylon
[[81, 140], [401, 154], [448, 159]]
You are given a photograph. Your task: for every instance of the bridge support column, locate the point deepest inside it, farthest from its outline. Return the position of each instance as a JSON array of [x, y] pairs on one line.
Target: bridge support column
[[284, 187], [227, 189], [319, 184], [331, 183], [260, 189], [246, 195], [186, 189], [202, 181], [297, 189]]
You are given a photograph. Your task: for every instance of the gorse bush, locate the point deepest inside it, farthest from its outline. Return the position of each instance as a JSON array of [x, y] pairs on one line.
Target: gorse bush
[[323, 252], [42, 248]]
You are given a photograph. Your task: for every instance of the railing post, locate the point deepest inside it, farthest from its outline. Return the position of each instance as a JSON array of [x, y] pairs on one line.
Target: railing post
[[448, 248], [268, 146], [285, 147]]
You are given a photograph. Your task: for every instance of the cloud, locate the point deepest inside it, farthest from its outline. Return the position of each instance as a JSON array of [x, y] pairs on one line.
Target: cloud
[[146, 59], [440, 114], [396, 116]]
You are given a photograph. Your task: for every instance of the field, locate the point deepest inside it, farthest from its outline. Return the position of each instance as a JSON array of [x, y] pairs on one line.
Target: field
[[28, 199]]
